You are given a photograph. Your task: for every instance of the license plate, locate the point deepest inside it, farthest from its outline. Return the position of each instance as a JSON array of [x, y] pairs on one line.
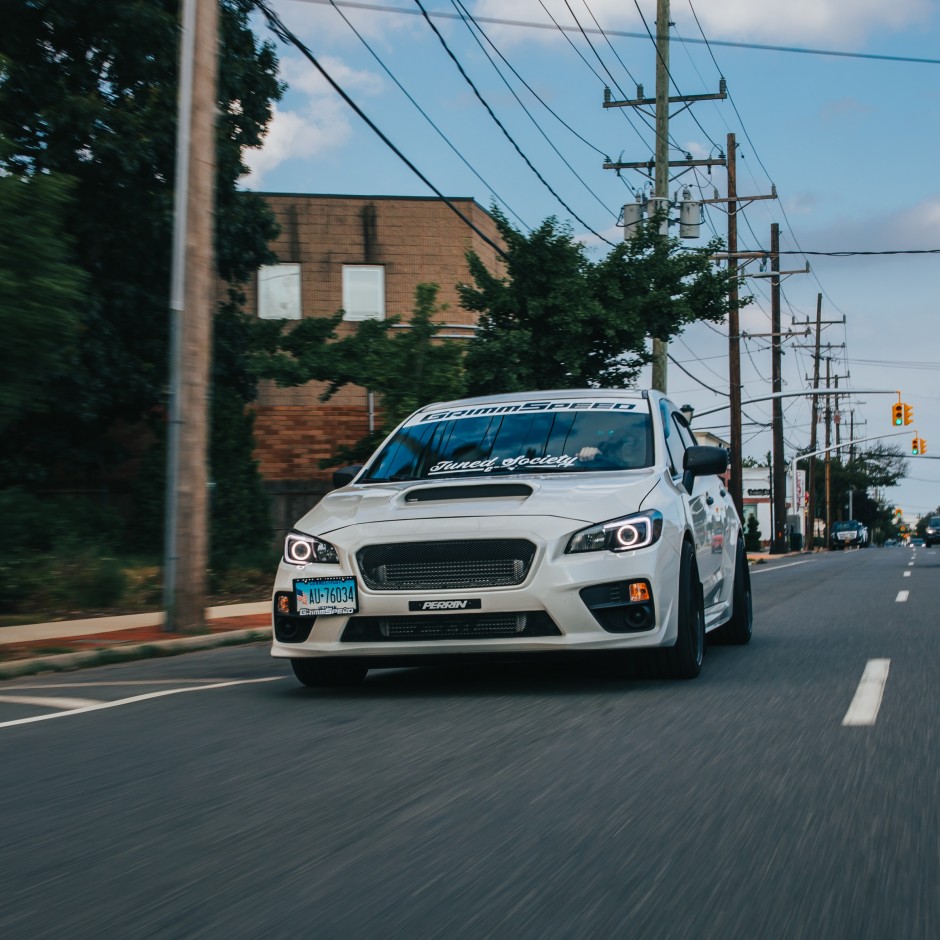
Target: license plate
[[324, 597]]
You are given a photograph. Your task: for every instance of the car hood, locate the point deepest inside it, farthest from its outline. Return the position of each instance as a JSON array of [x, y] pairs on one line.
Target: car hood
[[591, 497]]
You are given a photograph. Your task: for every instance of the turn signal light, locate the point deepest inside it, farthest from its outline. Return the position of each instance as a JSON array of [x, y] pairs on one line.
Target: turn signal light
[[639, 592]]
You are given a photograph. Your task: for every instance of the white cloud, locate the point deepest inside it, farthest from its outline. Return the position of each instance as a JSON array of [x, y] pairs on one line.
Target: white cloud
[[830, 23], [316, 122], [909, 228]]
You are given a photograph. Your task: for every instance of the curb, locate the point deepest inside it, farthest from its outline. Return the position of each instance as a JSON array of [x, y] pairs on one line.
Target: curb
[[121, 654]]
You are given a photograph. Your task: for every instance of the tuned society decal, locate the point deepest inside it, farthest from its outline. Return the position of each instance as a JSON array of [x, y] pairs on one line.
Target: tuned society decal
[[496, 463]]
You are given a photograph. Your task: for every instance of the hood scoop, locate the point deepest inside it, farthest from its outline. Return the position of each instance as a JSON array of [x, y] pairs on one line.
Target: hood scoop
[[425, 494]]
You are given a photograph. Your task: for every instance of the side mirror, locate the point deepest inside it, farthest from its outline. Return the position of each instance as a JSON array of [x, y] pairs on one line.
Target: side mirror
[[701, 461], [345, 476]]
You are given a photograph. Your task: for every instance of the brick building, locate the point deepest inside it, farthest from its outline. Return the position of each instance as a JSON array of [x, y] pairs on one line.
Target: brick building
[[365, 255]]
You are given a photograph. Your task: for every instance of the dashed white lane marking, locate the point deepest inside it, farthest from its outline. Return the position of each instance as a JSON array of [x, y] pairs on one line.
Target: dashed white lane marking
[[907, 574], [867, 700], [50, 702], [99, 706], [772, 567], [902, 597], [910, 564]]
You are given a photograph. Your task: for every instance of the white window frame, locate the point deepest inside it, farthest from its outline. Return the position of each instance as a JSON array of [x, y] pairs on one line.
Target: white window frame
[[279, 294], [359, 281]]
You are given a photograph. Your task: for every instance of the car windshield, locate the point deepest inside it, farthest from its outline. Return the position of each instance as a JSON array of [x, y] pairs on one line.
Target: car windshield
[[520, 437], [845, 526]]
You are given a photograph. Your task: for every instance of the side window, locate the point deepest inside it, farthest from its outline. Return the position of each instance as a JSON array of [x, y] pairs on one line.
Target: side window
[[675, 444]]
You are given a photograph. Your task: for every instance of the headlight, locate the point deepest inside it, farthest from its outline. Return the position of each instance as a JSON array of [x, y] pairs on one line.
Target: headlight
[[619, 535], [300, 549]]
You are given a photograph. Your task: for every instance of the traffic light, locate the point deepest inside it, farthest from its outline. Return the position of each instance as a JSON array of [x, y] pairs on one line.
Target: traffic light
[[897, 414], [898, 511], [918, 447], [908, 414]]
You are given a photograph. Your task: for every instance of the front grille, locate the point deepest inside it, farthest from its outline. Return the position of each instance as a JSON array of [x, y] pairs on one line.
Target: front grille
[[441, 566], [450, 627]]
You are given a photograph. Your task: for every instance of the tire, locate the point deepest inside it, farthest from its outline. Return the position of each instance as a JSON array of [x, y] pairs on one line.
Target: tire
[[738, 629], [328, 672], [684, 660]]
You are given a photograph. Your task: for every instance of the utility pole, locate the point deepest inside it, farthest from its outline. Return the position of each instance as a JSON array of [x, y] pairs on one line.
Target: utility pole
[[735, 484], [779, 544], [660, 165], [811, 474], [814, 433], [734, 334], [192, 296], [661, 181], [828, 452]]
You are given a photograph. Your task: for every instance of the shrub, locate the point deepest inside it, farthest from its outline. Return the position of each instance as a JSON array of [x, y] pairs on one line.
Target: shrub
[[752, 535]]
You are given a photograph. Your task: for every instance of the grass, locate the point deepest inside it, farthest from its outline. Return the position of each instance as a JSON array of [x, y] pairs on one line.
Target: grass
[[142, 592]]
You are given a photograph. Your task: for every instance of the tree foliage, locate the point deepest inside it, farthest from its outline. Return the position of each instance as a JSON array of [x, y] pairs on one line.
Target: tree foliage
[[88, 90], [559, 320], [41, 290]]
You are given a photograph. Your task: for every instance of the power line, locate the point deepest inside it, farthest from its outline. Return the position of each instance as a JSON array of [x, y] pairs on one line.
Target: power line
[[425, 115], [287, 36], [500, 125], [459, 6], [624, 34]]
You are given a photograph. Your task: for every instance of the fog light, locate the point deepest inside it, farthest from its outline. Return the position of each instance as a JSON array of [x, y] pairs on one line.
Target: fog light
[[639, 592]]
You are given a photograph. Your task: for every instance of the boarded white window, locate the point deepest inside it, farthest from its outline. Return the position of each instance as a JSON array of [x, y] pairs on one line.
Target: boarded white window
[[279, 292], [363, 292]]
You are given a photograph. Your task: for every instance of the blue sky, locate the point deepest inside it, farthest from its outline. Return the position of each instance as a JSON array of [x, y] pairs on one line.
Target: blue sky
[[850, 142]]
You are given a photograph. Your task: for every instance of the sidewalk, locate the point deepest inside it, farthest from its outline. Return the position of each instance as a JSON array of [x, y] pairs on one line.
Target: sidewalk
[[72, 644]]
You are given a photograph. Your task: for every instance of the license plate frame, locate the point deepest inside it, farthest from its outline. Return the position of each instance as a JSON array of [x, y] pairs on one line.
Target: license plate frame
[[326, 597]]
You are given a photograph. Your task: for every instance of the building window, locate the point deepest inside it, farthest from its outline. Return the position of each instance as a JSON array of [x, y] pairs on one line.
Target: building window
[[279, 292], [363, 292]]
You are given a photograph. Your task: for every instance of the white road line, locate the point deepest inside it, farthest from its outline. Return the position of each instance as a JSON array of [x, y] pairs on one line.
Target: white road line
[[122, 682], [907, 574], [762, 568], [49, 702], [910, 564], [99, 706], [867, 700], [902, 597]]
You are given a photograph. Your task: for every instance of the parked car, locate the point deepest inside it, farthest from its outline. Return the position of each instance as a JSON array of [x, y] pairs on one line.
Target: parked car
[[848, 534], [534, 522], [932, 532]]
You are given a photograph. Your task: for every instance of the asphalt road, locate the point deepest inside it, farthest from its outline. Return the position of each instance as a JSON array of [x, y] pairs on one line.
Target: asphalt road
[[215, 797]]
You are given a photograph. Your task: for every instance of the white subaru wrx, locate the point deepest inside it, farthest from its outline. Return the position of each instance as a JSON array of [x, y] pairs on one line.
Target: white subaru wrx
[[585, 520]]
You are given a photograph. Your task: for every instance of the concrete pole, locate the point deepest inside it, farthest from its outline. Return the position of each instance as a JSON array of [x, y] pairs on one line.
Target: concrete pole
[[192, 301], [661, 181]]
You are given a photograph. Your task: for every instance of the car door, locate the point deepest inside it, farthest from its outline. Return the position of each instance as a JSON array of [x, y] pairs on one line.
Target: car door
[[707, 507]]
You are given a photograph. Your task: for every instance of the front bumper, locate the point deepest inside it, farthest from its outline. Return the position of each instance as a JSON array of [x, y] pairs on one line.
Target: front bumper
[[564, 602]]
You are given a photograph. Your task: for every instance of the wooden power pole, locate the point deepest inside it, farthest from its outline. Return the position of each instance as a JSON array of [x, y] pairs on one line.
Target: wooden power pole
[[191, 303], [661, 179], [779, 543]]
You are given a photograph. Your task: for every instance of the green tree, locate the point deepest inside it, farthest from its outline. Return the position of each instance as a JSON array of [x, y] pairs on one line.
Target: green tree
[[89, 90], [559, 320], [41, 291], [878, 466]]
